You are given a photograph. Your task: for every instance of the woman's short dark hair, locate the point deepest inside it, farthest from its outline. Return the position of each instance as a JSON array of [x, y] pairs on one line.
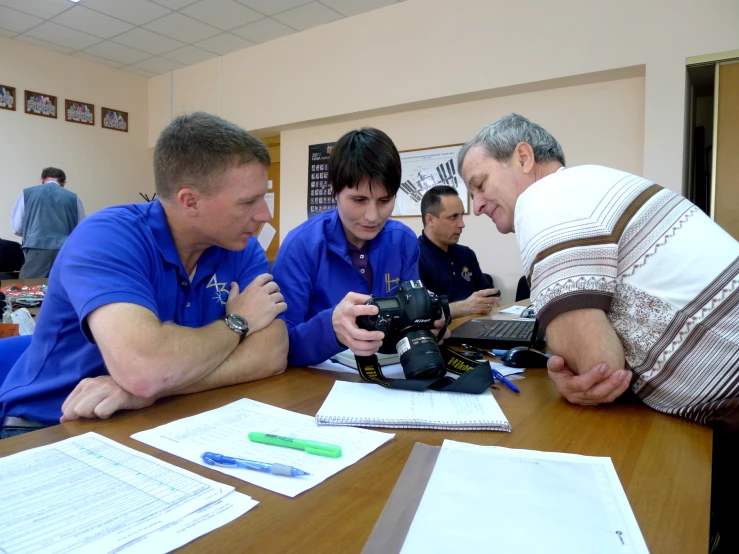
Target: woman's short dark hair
[[196, 147], [364, 154]]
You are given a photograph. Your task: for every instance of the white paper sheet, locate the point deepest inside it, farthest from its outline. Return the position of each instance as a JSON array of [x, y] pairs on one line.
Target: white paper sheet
[[225, 431], [192, 526], [266, 234], [89, 494], [270, 184], [269, 198], [515, 310], [535, 502]]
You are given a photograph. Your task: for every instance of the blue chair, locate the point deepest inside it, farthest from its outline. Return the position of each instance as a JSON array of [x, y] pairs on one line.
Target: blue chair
[[10, 350]]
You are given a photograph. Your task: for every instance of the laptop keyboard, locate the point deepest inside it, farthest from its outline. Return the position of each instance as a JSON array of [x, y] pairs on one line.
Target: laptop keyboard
[[508, 330]]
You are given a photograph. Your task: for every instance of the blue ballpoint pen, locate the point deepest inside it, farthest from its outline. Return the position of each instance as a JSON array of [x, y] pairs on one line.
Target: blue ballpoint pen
[[499, 376], [212, 459]]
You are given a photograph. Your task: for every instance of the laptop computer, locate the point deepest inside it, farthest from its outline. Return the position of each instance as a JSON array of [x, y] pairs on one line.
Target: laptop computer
[[503, 334]]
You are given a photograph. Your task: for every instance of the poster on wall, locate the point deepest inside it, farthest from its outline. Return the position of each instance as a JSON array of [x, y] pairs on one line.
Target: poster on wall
[[40, 104], [319, 191], [7, 97], [114, 119], [423, 169], [79, 112]]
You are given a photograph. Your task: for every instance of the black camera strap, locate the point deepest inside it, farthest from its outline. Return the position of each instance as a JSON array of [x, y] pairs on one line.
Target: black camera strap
[[474, 377]]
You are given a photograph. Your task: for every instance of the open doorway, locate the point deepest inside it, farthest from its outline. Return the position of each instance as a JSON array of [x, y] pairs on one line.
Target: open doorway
[[701, 97]]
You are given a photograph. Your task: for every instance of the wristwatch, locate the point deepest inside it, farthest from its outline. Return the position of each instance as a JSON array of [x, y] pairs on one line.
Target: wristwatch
[[237, 324]]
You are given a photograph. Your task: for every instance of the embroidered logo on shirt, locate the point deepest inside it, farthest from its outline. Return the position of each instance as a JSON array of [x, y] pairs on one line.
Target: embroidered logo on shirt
[[466, 273], [391, 284], [221, 293]]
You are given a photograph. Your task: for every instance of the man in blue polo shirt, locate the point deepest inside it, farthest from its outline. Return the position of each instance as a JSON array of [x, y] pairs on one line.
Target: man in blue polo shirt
[[330, 265], [445, 266], [169, 297]]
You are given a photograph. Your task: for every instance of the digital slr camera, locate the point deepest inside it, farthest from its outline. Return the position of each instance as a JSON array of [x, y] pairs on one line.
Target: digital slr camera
[[407, 318]]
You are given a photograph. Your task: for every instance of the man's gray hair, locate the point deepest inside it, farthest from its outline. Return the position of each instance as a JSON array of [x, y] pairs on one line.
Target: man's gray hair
[[499, 140]]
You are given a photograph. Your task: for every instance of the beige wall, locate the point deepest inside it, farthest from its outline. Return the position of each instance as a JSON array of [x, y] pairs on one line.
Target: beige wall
[[596, 123], [431, 50], [103, 167]]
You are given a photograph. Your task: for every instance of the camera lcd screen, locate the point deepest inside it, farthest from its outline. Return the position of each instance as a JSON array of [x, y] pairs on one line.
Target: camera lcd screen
[[386, 303]]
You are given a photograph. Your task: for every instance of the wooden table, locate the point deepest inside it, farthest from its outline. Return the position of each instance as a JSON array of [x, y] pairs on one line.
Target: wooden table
[[664, 464]]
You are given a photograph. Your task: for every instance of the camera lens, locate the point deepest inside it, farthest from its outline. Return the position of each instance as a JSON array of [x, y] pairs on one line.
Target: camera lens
[[420, 355]]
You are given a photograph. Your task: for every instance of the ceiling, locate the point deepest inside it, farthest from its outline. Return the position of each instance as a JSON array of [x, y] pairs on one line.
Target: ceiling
[[150, 37]]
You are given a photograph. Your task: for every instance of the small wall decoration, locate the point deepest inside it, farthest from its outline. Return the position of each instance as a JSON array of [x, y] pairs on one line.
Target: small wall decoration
[[115, 119], [425, 168], [79, 112], [40, 104], [7, 97]]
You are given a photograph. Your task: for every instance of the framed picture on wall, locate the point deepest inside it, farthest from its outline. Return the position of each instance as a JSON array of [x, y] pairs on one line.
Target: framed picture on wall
[[38, 103], [7, 97], [79, 112], [423, 169], [114, 119]]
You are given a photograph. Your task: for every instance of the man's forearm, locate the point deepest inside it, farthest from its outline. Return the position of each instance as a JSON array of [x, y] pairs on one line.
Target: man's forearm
[[261, 355], [585, 338]]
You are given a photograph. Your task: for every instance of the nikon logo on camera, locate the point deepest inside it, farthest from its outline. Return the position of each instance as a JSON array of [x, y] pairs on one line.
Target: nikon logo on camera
[[421, 320]]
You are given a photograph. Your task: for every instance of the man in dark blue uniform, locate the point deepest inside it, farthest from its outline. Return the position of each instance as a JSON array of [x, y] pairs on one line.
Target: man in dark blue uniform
[[445, 266]]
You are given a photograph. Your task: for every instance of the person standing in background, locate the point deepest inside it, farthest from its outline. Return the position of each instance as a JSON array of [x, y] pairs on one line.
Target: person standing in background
[[45, 215]]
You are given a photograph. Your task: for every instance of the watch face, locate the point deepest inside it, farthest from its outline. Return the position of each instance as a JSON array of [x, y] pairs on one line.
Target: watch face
[[236, 322]]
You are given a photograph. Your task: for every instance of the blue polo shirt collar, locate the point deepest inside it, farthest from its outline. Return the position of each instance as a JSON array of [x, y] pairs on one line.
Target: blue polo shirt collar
[[209, 260], [449, 253]]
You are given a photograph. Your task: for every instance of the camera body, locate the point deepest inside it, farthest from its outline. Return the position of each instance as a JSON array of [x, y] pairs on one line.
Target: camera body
[[407, 318]]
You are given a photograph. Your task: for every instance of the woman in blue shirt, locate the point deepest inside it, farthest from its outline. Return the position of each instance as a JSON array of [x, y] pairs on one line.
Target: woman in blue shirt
[[329, 266]]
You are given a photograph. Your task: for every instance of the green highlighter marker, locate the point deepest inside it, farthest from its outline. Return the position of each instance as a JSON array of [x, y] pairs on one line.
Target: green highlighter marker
[[310, 447]]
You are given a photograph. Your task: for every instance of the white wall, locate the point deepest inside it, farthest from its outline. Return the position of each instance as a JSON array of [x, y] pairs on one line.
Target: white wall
[[433, 50], [103, 167], [596, 123]]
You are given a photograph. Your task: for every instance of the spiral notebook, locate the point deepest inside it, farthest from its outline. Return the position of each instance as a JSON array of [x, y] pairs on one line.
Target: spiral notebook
[[367, 405]]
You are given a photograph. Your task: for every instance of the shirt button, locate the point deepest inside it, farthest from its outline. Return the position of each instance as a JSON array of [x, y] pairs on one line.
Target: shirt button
[[361, 256], [453, 273], [187, 305], [361, 270], [185, 283]]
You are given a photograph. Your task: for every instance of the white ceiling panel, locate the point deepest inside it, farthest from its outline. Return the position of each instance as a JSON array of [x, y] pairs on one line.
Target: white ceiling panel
[[271, 7], [224, 14], [64, 36], [305, 17], [136, 12], [156, 36], [354, 7], [158, 65], [181, 27], [44, 44], [92, 22], [147, 41], [18, 22], [224, 44], [117, 52], [136, 71], [263, 30], [173, 4], [96, 59], [45, 9], [189, 55]]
